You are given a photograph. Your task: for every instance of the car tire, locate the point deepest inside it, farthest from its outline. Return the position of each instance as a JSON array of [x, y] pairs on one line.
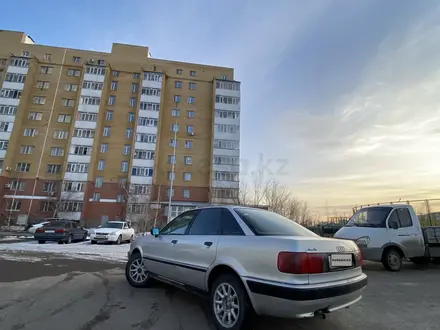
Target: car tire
[[244, 313], [69, 239], [84, 238], [144, 280], [392, 260], [119, 240], [41, 242], [92, 242]]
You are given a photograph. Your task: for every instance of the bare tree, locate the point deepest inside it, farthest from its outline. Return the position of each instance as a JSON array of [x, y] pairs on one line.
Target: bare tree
[[138, 206]]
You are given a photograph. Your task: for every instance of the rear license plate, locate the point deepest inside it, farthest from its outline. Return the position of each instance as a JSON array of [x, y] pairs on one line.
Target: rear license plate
[[49, 231], [341, 260]]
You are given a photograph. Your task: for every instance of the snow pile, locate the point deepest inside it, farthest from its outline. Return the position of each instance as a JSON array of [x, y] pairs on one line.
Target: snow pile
[[83, 250]]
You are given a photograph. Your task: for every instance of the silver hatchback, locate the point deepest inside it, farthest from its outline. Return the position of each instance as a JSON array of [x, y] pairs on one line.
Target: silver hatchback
[[249, 261]]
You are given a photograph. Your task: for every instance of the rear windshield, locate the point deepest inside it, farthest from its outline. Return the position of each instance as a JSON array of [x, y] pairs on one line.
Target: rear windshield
[[265, 223], [55, 223], [370, 217]]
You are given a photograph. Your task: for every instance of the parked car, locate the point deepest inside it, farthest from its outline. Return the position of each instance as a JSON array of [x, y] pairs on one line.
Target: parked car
[[61, 231], [391, 233], [246, 260], [113, 232], [34, 227]]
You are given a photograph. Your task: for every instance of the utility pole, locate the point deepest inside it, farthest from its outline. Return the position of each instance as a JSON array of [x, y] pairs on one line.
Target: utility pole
[[171, 193]]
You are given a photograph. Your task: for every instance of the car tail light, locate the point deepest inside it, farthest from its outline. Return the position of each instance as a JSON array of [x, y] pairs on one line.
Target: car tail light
[[59, 230], [300, 262], [40, 230], [358, 259]]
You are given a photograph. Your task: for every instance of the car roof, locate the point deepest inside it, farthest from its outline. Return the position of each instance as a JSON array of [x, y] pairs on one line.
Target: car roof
[[227, 207], [387, 205], [116, 221]]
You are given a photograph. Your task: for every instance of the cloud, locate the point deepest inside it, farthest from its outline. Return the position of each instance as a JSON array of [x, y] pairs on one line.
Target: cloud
[[381, 141]]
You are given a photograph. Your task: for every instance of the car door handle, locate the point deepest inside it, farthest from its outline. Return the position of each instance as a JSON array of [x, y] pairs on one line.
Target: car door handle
[[404, 235], [208, 244], [174, 241]]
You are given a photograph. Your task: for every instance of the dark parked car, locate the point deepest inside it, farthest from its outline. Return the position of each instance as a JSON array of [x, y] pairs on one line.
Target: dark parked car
[[61, 231]]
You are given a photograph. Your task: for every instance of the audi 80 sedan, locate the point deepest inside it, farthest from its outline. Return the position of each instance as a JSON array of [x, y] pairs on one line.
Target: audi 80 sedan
[[248, 261]]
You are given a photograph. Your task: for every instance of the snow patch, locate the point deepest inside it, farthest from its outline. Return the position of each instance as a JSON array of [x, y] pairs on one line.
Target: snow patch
[[83, 250], [19, 258]]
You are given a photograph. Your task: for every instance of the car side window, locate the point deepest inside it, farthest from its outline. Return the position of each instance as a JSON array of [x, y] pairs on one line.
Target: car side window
[[125, 226], [230, 225], [404, 217], [179, 225], [394, 218], [207, 222]]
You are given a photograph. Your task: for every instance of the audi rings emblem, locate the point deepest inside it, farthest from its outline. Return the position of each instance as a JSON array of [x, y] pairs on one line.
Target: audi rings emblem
[[340, 248]]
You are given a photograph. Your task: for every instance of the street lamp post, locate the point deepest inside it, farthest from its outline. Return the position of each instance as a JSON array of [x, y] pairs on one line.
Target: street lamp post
[[13, 200], [170, 193]]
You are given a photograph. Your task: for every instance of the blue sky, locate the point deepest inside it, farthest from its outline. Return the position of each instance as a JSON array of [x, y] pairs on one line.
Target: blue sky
[[343, 91]]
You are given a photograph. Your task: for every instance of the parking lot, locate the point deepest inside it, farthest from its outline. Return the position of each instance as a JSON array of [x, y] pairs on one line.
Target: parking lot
[[45, 291]]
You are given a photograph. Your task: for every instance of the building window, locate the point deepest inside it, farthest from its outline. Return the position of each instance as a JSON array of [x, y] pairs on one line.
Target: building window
[[15, 77], [30, 132], [101, 62], [114, 85], [178, 84], [188, 160], [95, 70], [226, 144], [111, 100], [124, 166], [175, 127], [190, 129], [192, 73], [74, 186], [67, 103], [186, 193], [128, 133], [80, 150], [71, 206], [63, 118], [14, 205], [171, 159], [60, 135], [99, 181], [23, 167], [175, 112], [57, 151], [106, 131], [187, 176], [76, 59], [191, 114], [49, 186], [192, 85], [131, 117], [95, 85], [101, 165], [127, 149], [87, 116], [132, 102], [90, 100], [48, 57], [142, 171], [191, 100], [27, 150], [73, 72], [84, 133], [144, 154], [171, 176], [136, 75], [8, 110], [4, 144], [151, 91], [70, 87], [179, 71], [26, 53], [109, 115], [120, 198], [146, 121], [96, 197], [177, 98], [43, 84], [149, 106], [173, 143], [18, 185], [104, 148], [134, 87], [54, 169], [20, 62], [115, 73], [6, 126], [46, 70], [39, 100], [35, 115], [145, 137], [10, 93]]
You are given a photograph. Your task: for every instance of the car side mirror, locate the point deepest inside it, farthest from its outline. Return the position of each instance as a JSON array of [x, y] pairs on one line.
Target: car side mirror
[[155, 231]]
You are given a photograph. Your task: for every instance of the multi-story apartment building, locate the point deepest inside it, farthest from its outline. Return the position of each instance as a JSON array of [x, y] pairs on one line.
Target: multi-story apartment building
[[90, 135]]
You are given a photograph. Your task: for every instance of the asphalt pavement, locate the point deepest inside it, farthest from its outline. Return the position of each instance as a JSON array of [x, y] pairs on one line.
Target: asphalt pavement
[[38, 291]]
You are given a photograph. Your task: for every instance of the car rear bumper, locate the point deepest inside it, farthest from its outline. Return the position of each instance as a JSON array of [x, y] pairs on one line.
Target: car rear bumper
[[50, 237], [303, 301]]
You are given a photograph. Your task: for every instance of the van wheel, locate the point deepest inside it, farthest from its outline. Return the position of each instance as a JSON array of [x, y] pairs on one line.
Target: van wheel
[[392, 260], [229, 304]]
